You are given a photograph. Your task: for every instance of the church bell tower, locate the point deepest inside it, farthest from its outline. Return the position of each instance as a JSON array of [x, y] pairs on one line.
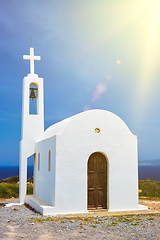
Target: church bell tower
[[32, 119], [33, 103]]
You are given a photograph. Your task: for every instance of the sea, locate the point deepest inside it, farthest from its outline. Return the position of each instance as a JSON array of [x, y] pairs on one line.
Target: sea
[[149, 171], [144, 172], [10, 171]]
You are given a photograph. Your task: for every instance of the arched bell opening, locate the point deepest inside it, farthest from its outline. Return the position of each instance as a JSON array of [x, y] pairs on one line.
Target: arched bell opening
[[33, 98], [97, 181]]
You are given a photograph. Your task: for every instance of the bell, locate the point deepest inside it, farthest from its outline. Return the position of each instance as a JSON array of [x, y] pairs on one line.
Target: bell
[[32, 95]]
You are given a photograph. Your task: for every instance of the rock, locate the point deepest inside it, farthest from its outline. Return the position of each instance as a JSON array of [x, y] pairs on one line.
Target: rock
[[72, 221], [2, 204]]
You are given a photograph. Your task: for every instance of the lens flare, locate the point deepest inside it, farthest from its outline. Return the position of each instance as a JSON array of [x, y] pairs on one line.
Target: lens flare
[[100, 88], [118, 61], [150, 23], [86, 108]]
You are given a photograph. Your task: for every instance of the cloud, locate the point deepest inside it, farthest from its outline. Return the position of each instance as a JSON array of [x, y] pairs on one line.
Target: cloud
[[100, 88]]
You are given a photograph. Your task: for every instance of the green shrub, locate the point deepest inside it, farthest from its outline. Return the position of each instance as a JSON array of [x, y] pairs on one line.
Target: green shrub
[[150, 188], [29, 189], [30, 179], [8, 190]]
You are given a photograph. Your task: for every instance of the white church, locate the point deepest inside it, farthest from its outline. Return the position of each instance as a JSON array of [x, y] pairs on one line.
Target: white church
[[88, 161]]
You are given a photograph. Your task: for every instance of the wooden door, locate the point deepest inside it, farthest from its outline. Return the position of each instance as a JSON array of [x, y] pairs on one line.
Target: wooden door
[[97, 181]]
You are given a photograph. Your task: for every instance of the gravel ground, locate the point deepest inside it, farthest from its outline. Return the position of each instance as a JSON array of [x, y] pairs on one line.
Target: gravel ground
[[20, 222]]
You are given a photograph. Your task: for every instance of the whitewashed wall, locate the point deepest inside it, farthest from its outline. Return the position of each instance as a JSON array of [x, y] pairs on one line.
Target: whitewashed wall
[[44, 180], [74, 145], [32, 129]]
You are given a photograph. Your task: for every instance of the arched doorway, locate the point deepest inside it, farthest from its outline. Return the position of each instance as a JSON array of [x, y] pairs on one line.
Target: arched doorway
[[97, 181]]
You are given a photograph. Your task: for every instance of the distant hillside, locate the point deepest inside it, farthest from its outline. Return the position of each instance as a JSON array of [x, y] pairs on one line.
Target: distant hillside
[[149, 188], [14, 179], [149, 162]]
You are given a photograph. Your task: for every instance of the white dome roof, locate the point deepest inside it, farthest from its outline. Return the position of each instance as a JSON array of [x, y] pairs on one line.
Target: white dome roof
[[56, 128], [59, 127]]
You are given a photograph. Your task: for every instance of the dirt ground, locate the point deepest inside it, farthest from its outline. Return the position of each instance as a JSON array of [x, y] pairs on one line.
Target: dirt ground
[[19, 222], [152, 205]]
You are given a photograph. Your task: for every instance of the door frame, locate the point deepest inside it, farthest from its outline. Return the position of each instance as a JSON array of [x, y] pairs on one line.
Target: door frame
[[107, 177]]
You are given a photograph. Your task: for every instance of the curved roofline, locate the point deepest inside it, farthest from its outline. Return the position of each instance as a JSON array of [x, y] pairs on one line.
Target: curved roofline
[[56, 128], [59, 127]]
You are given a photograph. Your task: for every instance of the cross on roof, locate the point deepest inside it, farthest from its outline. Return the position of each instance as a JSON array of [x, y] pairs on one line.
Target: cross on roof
[[31, 57]]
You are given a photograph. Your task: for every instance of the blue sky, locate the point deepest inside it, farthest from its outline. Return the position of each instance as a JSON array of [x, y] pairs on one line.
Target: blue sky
[[95, 54]]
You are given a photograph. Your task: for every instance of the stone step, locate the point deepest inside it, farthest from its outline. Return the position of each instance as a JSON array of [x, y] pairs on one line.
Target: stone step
[[39, 205]]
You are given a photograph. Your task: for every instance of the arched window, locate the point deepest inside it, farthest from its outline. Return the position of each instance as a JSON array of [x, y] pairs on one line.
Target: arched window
[[33, 94]]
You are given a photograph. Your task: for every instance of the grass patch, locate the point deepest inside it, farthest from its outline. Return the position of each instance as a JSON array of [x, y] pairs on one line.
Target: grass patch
[[125, 219], [9, 187], [150, 188], [85, 220], [150, 218], [8, 190], [38, 220], [15, 209], [94, 226], [130, 219], [50, 219]]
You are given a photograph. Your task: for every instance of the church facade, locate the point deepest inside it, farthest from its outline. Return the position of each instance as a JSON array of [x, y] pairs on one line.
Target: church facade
[[87, 161]]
